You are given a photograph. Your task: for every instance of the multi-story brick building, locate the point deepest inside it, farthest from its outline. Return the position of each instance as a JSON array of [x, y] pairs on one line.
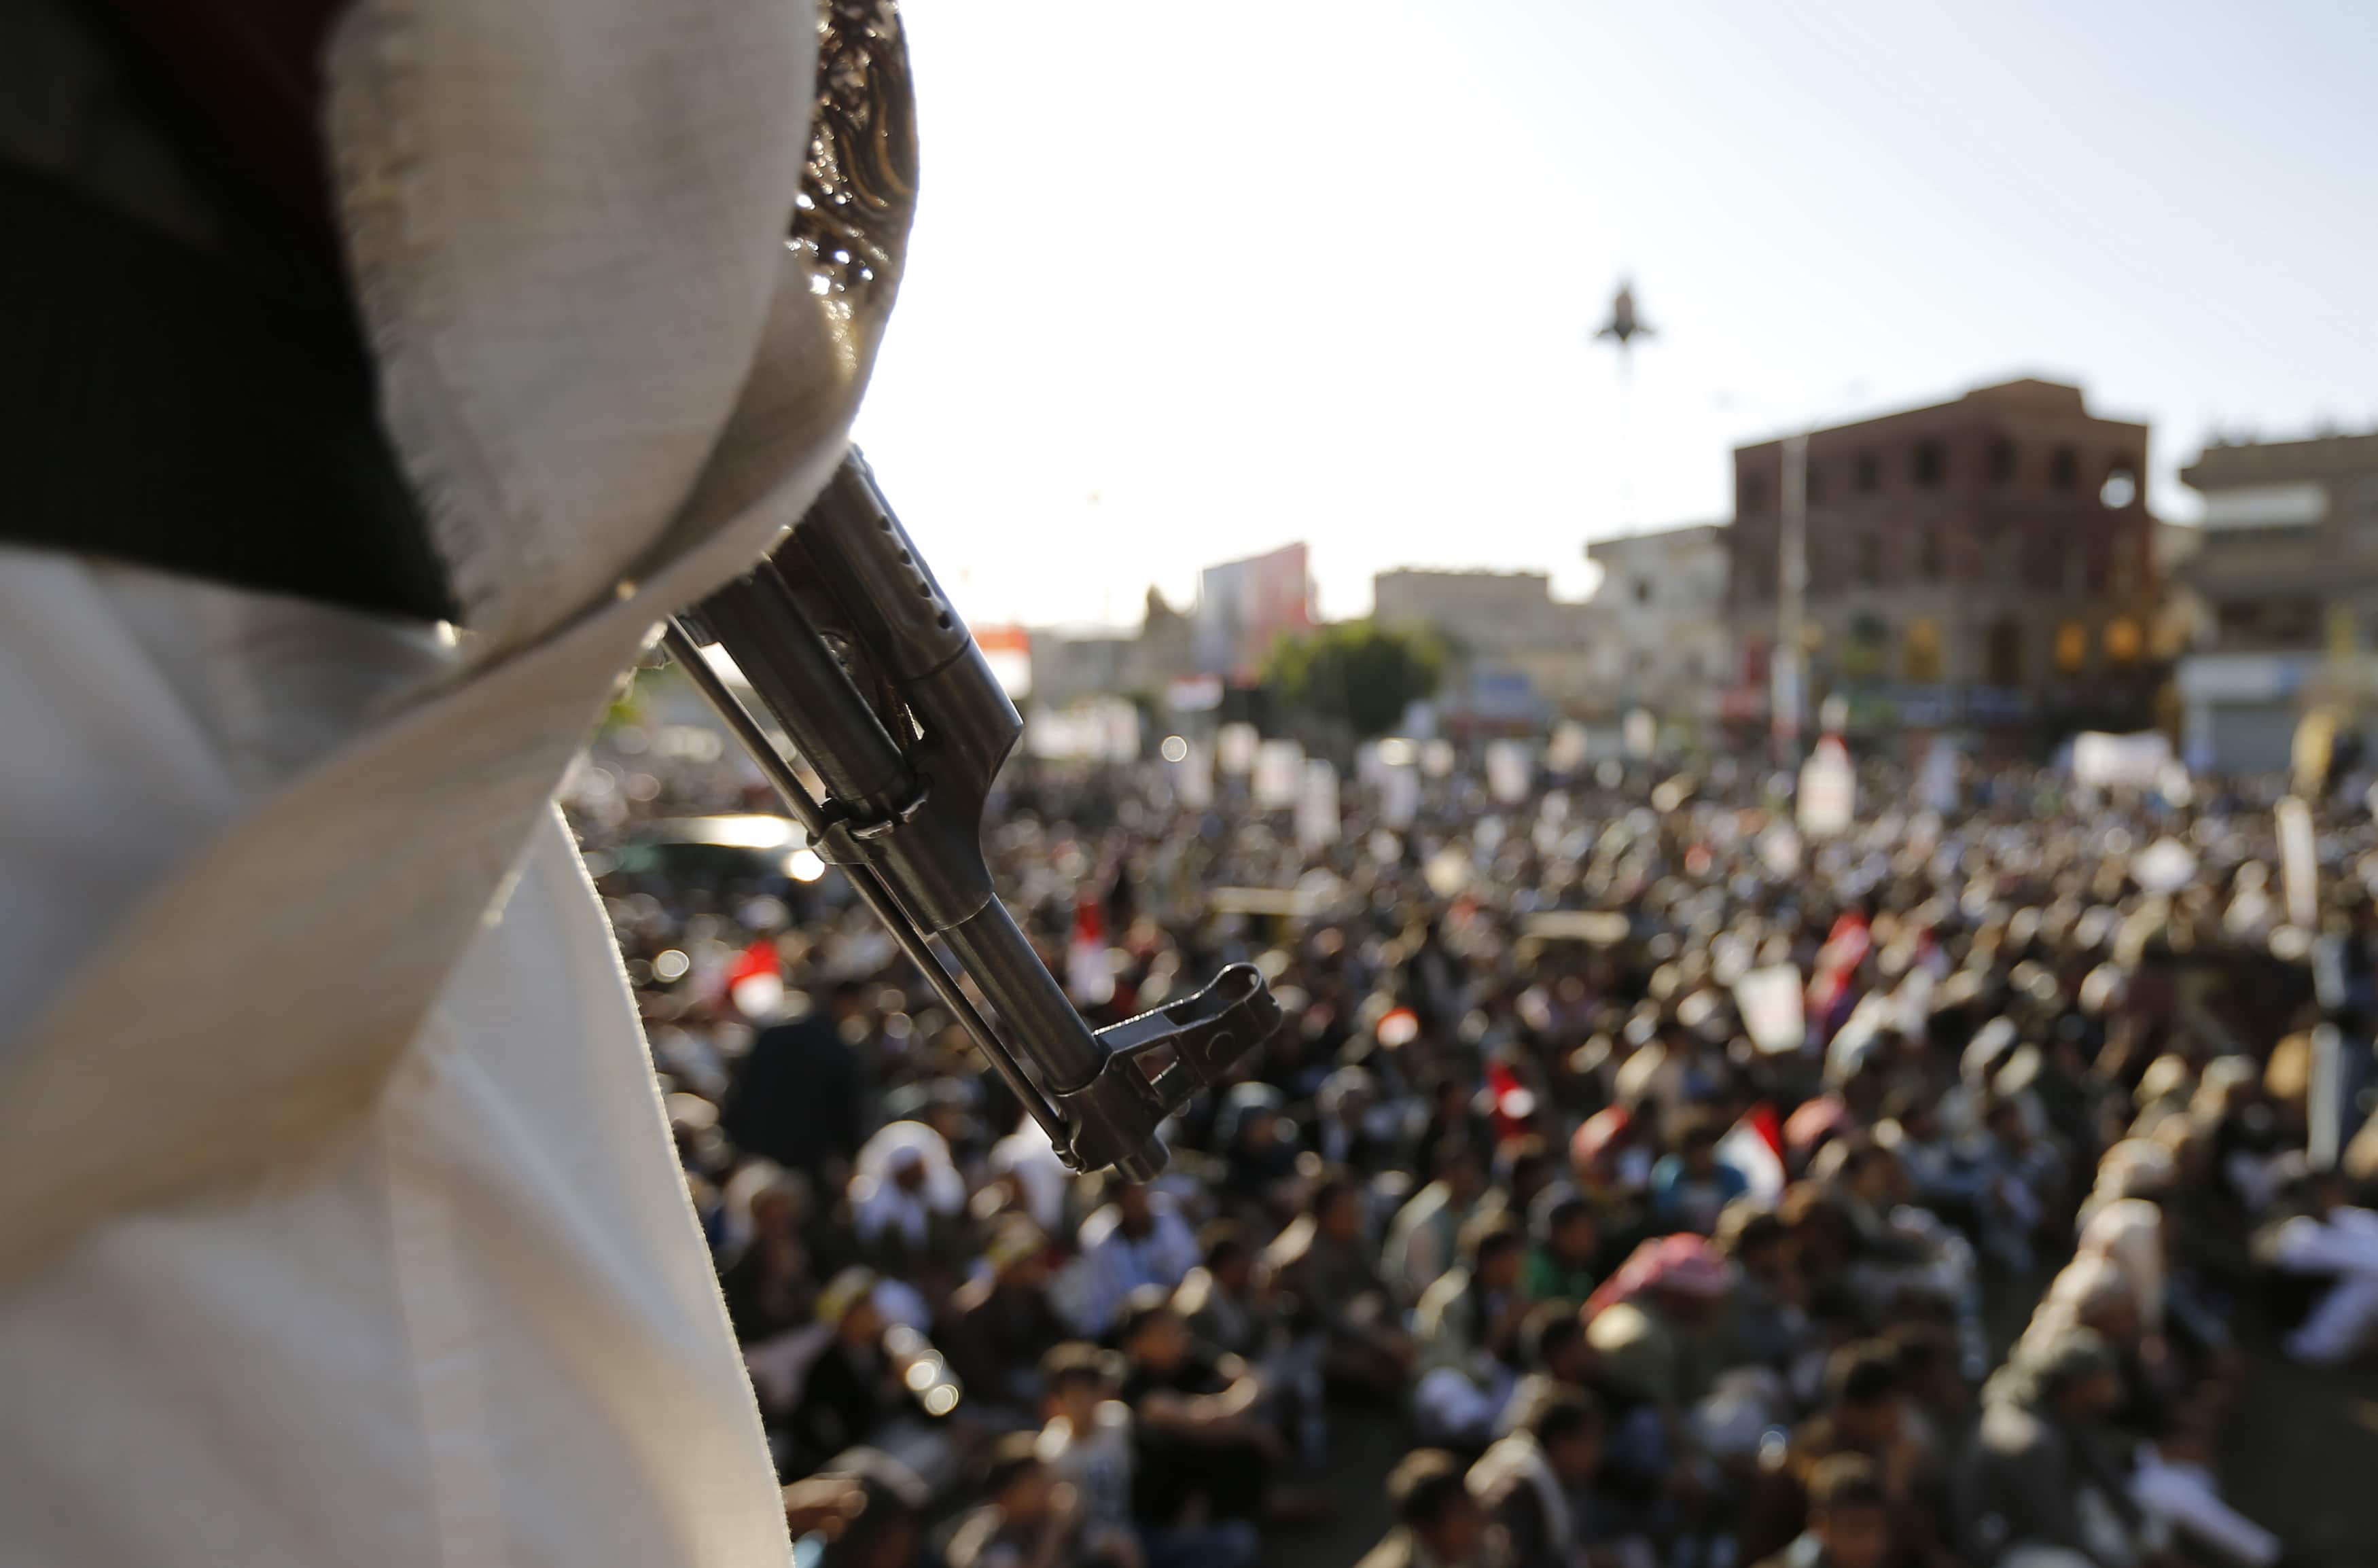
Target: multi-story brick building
[[1985, 563]]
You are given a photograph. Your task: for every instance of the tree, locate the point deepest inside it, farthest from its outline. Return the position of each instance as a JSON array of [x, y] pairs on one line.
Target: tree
[[1357, 672]]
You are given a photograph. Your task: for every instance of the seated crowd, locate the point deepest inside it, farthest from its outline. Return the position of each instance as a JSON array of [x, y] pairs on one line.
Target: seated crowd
[[1625, 1278]]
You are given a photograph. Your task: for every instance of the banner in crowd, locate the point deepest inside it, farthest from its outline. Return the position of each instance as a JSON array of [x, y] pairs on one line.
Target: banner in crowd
[[1316, 806], [1827, 795], [1234, 748], [1510, 770], [2120, 761], [1279, 765], [1773, 1007]]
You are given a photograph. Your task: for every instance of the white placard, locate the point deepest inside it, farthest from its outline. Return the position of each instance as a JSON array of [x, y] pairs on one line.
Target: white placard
[[1399, 796], [1510, 770], [2299, 872], [1192, 776], [2165, 866], [1316, 806], [1641, 733], [1936, 783], [2120, 761], [1828, 797], [1567, 753], [1236, 748], [1279, 765], [1770, 1003], [1437, 758]]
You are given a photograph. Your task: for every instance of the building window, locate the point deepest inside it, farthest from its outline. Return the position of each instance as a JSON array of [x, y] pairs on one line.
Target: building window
[[1921, 652], [1642, 590], [2072, 648], [1867, 647], [2001, 464], [1754, 493], [2063, 468], [2002, 653], [1931, 464], [2123, 640], [2125, 575], [1928, 554], [2122, 486], [1869, 561], [1865, 472], [1812, 479]]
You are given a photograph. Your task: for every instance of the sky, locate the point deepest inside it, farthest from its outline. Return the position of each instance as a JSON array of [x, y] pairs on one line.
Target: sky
[[1190, 281]]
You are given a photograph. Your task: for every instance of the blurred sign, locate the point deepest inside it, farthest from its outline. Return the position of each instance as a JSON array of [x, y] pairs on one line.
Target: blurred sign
[[1770, 1002], [1399, 796], [2299, 871], [2120, 761], [1935, 785], [1192, 776], [1278, 770], [1828, 797], [1193, 694], [1098, 729], [1567, 753], [1510, 770], [1641, 733], [1316, 806], [1234, 748], [2164, 866]]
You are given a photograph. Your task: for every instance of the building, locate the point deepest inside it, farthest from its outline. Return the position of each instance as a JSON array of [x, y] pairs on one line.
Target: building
[[1984, 563], [1521, 655], [1245, 607], [2286, 566], [1482, 614], [1068, 665], [1662, 639]]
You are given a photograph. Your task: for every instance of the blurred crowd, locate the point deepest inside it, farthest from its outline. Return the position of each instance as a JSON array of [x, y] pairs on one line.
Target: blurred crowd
[[1677, 1189]]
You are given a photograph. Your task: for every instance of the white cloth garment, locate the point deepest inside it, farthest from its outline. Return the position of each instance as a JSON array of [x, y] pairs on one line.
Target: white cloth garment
[[338, 1217], [2344, 1244]]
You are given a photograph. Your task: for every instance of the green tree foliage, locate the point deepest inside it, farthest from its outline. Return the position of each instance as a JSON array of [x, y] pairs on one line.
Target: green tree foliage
[[1357, 672]]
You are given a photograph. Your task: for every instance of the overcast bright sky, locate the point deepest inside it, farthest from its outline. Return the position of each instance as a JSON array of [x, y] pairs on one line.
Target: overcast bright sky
[[1192, 281]]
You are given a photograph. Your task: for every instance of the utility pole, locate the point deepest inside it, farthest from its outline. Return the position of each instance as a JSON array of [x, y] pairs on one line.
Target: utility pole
[[1623, 327], [1787, 670]]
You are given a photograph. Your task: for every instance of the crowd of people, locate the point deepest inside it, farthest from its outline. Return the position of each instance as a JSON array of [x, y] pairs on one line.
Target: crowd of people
[[1675, 1187]]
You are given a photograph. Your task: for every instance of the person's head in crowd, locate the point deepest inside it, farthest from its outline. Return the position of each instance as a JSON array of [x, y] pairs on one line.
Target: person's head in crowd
[[846, 1306], [1075, 1378], [885, 1532], [1864, 1393], [1229, 1259], [1568, 1232], [1566, 1424], [2076, 1374], [1458, 1167], [1018, 1254], [1696, 1142], [1429, 1499], [1859, 1168], [1849, 1513], [1494, 1247], [1929, 1365], [1151, 1334], [1336, 1204], [1135, 1210], [1017, 1481], [1553, 1342], [1524, 1168], [1754, 1239]]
